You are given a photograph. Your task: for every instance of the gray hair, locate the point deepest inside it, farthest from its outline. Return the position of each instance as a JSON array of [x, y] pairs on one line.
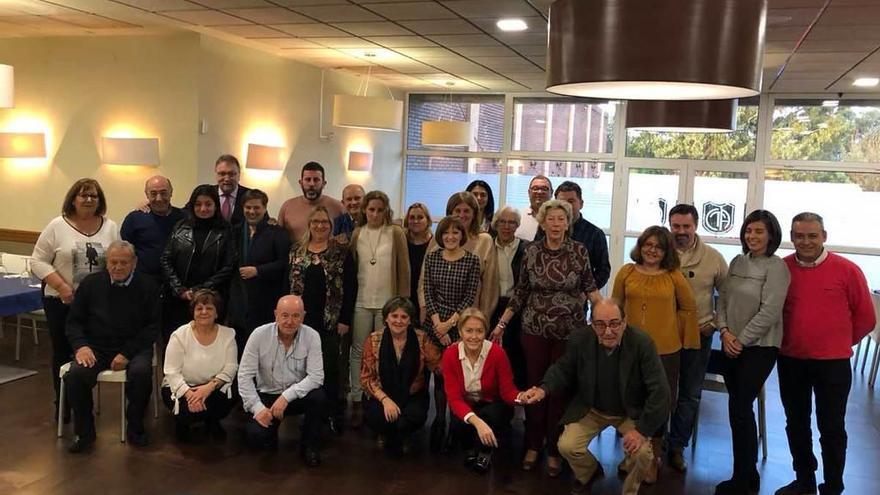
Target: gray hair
[[551, 204], [808, 216], [122, 245], [503, 211]]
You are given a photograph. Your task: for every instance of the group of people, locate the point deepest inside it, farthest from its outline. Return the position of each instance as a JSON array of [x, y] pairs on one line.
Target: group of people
[[331, 302]]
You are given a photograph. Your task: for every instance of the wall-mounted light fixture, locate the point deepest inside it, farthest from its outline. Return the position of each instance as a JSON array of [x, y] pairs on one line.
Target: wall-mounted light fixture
[[130, 151], [262, 157], [360, 161], [22, 145], [7, 86]]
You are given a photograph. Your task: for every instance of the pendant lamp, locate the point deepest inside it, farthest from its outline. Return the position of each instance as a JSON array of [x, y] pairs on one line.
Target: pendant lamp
[[446, 133], [363, 112], [7, 86], [656, 50], [682, 116]]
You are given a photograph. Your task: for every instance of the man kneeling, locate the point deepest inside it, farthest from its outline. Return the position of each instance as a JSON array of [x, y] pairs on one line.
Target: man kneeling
[[619, 381], [281, 374], [113, 322]]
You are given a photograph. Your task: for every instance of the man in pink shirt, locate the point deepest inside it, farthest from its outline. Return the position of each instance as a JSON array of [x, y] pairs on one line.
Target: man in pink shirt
[[294, 213], [828, 310]]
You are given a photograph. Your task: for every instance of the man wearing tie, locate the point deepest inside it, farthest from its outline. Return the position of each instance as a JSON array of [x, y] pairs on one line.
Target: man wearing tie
[[228, 172]]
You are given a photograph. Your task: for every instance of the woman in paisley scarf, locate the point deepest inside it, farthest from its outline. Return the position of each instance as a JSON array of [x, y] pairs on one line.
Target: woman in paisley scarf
[[554, 284], [317, 267]]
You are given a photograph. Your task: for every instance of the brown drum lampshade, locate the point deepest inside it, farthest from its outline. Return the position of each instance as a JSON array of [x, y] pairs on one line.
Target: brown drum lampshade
[[682, 116], [656, 50]]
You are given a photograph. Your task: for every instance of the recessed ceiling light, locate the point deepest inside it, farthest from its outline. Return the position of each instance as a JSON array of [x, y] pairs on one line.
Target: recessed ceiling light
[[512, 25], [866, 82], [830, 103]]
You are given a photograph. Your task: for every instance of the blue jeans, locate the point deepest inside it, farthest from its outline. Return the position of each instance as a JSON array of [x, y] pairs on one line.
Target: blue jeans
[[690, 387]]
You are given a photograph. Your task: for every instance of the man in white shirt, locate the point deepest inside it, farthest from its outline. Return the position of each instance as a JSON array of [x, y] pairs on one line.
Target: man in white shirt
[[281, 374], [540, 189]]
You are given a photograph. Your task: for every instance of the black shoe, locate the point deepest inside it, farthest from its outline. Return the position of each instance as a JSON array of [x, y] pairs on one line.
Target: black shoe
[[81, 444], [438, 436], [216, 431], [578, 488], [469, 457], [482, 463], [825, 490], [335, 425], [181, 432], [311, 457], [138, 439], [798, 487], [732, 487]]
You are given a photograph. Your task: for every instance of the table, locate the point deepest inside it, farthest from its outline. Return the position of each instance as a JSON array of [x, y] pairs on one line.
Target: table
[[16, 298]]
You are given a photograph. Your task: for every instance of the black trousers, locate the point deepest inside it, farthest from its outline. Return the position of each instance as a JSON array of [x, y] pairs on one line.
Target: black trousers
[[312, 406], [512, 343], [744, 376], [830, 381], [56, 320], [80, 381], [413, 415], [331, 352], [496, 414], [217, 407]]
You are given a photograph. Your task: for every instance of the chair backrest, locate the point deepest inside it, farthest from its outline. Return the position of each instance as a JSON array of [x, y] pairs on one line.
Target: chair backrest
[[14, 263]]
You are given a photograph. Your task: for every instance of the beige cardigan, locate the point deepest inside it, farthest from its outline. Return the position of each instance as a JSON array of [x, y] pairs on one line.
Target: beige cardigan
[[483, 246], [399, 262]]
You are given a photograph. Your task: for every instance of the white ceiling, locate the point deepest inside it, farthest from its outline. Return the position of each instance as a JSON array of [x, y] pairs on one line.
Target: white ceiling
[[822, 45]]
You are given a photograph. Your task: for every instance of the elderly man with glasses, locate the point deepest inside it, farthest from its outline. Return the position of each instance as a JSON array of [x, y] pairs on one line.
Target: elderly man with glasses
[[540, 189]]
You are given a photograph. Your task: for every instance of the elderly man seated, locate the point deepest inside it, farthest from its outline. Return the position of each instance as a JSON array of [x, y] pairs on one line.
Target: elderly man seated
[[618, 381], [113, 322], [281, 374]]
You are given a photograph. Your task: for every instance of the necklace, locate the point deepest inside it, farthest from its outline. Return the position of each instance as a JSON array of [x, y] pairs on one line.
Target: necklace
[[375, 248]]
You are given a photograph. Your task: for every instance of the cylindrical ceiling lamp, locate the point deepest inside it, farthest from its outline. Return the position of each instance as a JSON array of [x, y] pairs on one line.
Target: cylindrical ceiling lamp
[[682, 116], [669, 50], [7, 86], [363, 112], [446, 133]]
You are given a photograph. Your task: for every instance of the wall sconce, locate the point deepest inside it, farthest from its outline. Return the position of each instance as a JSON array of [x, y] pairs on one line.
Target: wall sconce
[[264, 157], [22, 145], [130, 151], [360, 161], [7, 86]]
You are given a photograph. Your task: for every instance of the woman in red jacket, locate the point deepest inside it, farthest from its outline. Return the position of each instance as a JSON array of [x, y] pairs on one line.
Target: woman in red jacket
[[479, 387]]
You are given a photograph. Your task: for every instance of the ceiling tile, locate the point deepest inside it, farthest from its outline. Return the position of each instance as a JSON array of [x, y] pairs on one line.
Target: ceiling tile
[[251, 31], [91, 21], [273, 15], [499, 63], [299, 3], [536, 25], [287, 42], [811, 45], [401, 41], [160, 5], [492, 8], [523, 38], [338, 13], [33, 7], [233, 4], [205, 17], [532, 50], [851, 15], [465, 40], [372, 28], [431, 52], [346, 42], [485, 51], [441, 27], [309, 30], [412, 11]]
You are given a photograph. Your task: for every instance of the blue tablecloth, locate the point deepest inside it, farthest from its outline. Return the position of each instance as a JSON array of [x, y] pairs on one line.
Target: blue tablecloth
[[16, 298]]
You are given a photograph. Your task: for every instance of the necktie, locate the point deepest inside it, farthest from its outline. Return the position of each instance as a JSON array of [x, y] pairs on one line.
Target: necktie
[[226, 207]]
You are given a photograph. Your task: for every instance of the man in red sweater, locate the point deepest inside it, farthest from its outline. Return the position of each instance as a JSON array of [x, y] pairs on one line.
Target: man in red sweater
[[827, 311]]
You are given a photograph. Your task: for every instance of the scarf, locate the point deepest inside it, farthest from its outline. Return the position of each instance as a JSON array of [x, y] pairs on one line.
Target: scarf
[[397, 377]]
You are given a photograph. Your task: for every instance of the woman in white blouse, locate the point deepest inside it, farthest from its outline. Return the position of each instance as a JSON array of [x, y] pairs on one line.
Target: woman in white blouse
[[200, 364], [69, 248]]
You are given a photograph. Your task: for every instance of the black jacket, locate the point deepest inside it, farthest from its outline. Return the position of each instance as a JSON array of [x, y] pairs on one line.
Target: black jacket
[[216, 257], [254, 300], [644, 391], [111, 319]]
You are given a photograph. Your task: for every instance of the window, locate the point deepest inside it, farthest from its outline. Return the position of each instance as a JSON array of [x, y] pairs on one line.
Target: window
[[432, 179], [720, 198], [738, 145], [484, 112], [565, 125], [595, 178], [830, 130], [652, 193]]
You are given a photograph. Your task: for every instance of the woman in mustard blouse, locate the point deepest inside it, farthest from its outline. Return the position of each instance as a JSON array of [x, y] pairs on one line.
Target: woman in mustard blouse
[[659, 301]]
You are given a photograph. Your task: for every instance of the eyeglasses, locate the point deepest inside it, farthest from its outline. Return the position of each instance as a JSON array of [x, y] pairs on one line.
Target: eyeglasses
[[512, 223], [93, 197], [539, 189], [320, 222], [602, 325], [227, 174], [655, 247]]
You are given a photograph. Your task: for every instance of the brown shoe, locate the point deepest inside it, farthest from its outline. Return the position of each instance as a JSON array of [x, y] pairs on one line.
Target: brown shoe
[[677, 460], [554, 466], [528, 462], [357, 415]]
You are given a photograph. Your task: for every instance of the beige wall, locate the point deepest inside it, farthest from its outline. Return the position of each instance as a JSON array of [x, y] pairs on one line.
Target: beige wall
[[77, 89]]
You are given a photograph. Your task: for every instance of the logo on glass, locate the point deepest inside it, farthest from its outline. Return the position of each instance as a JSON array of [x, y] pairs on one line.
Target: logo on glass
[[718, 217]]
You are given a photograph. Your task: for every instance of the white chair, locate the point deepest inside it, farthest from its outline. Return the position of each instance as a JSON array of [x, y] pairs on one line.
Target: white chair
[[715, 383], [110, 376]]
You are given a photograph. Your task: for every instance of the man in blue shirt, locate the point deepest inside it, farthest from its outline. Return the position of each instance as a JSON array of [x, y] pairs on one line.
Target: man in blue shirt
[[149, 230], [344, 225], [281, 374]]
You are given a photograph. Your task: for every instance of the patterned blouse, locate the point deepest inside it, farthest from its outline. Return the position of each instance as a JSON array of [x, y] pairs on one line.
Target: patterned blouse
[[552, 289], [334, 260], [450, 287]]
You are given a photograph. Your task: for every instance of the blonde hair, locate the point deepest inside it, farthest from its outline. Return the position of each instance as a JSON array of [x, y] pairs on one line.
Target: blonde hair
[[303, 247], [473, 313]]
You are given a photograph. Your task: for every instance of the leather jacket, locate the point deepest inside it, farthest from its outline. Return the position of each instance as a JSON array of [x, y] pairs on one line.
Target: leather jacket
[[216, 257]]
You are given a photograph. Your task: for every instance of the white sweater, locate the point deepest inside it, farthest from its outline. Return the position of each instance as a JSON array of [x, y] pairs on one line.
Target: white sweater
[[63, 249], [189, 363]]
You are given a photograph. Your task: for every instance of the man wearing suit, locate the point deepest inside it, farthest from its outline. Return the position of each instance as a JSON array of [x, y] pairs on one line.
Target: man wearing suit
[[617, 380], [228, 173]]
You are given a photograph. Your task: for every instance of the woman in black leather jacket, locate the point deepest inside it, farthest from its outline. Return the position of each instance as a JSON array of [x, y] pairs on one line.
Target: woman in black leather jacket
[[199, 255]]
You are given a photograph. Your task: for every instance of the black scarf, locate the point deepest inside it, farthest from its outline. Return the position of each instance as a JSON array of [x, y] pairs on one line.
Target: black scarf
[[397, 377]]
